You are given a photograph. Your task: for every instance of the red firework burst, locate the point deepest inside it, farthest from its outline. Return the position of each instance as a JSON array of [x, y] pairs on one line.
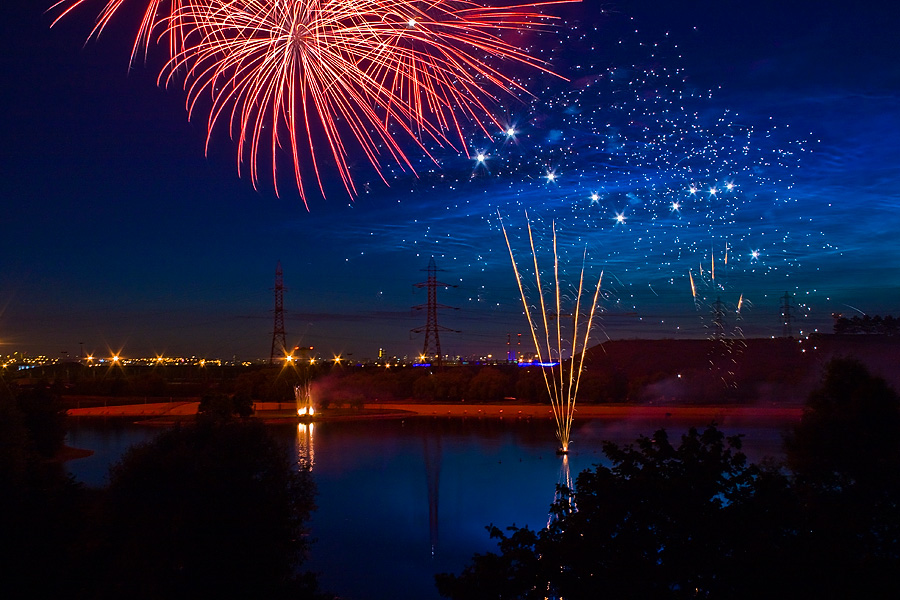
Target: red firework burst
[[288, 74]]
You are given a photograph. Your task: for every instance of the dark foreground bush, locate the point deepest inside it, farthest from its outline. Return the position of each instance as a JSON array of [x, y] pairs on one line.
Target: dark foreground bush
[[212, 510], [697, 521]]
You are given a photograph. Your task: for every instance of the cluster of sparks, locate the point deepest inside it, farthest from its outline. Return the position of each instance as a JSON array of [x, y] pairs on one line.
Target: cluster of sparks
[[549, 339], [299, 76], [632, 160]]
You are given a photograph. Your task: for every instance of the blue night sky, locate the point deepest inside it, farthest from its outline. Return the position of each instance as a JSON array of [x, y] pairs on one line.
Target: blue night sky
[[782, 117]]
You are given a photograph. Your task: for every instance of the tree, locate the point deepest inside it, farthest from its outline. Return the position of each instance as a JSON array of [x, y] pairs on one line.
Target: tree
[[845, 455], [490, 384], [44, 418], [530, 385], [693, 521], [41, 509], [660, 522], [849, 431], [212, 510], [222, 406], [866, 324], [443, 386]]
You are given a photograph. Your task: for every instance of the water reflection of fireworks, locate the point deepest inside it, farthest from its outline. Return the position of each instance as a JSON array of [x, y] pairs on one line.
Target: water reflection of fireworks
[[564, 487], [549, 342], [306, 452]]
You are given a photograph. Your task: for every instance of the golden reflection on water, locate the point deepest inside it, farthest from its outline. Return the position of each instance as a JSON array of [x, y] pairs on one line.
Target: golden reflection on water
[[565, 478], [306, 453]]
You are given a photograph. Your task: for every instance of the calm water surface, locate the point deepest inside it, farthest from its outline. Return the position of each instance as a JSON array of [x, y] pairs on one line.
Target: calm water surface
[[399, 501]]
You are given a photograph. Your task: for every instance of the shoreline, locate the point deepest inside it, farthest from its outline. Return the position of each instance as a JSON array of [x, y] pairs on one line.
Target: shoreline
[[156, 413]]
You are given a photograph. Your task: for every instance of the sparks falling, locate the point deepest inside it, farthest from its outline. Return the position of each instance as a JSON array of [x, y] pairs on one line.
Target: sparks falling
[[562, 383], [155, 18], [374, 76]]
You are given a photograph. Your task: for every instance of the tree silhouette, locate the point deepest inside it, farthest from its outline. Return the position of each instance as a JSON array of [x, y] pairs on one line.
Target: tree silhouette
[[845, 455], [661, 521], [212, 510], [849, 431], [220, 406], [697, 521]]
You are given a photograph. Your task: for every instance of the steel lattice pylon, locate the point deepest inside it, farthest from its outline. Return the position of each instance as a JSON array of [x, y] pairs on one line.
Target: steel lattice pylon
[[432, 348], [279, 345]]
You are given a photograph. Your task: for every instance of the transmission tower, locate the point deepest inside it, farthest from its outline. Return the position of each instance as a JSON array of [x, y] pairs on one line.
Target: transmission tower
[[787, 316], [432, 347], [279, 345]]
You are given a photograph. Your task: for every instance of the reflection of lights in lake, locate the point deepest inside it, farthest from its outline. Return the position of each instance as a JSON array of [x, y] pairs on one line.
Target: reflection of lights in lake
[[306, 454], [565, 480], [306, 411], [562, 383]]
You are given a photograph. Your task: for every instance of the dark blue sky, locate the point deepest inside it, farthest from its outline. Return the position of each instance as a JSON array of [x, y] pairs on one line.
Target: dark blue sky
[[118, 232]]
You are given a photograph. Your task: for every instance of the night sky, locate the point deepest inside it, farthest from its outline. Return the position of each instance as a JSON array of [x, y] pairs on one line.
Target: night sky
[[783, 117]]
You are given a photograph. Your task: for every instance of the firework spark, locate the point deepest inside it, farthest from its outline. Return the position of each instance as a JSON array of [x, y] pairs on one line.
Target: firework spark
[[303, 400], [155, 17], [562, 384], [306, 75]]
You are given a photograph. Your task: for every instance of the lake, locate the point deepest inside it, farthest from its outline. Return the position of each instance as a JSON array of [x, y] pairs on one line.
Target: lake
[[401, 500]]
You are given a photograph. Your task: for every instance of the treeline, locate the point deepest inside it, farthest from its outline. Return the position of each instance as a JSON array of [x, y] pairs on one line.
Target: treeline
[[691, 518], [95, 384], [461, 384], [687, 371], [867, 325], [209, 510], [333, 385]]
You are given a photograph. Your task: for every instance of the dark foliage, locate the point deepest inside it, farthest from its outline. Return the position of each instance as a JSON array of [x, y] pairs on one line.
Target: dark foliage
[[661, 521], [219, 406], [213, 510], [40, 507], [867, 325], [845, 455], [850, 430], [44, 417], [697, 521]]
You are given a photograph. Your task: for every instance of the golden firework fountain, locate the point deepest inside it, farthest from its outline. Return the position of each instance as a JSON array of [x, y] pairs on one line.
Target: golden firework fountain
[[561, 380], [303, 397]]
